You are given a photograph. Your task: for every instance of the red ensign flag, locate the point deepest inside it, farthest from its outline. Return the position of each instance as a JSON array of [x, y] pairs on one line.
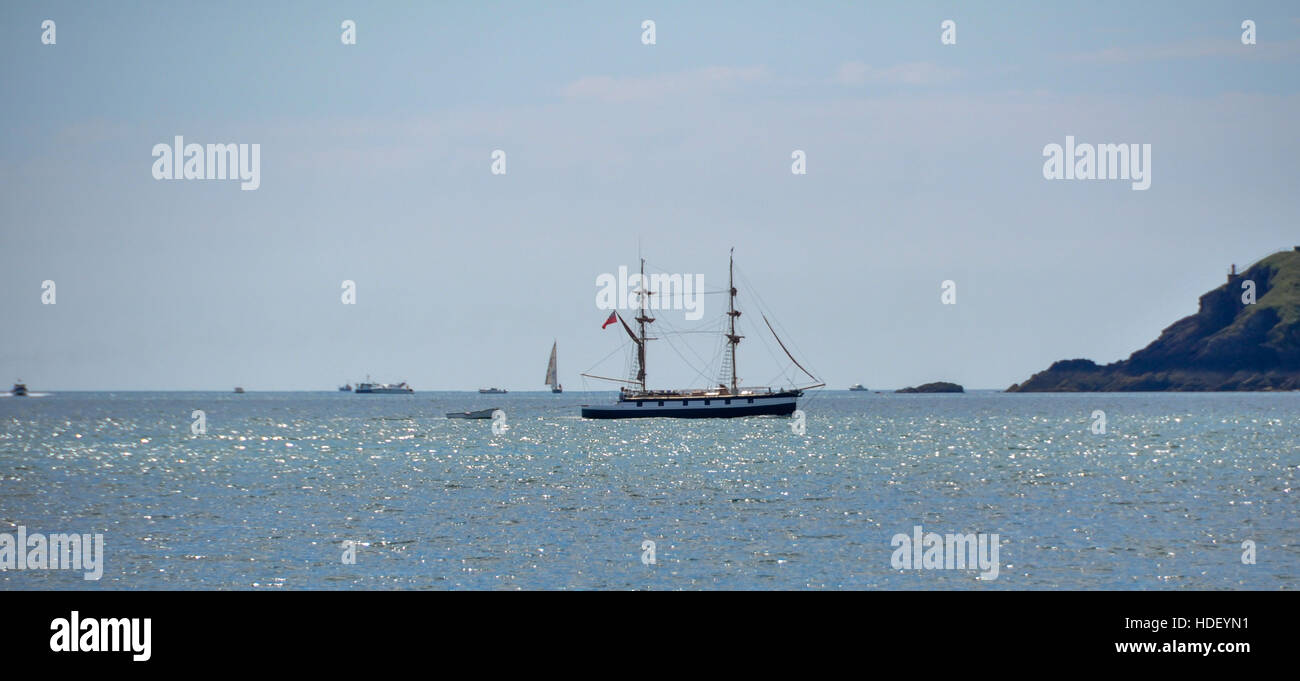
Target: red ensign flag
[[613, 317]]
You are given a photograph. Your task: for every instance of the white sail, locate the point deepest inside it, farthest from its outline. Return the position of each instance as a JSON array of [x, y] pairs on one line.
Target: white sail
[[550, 368]]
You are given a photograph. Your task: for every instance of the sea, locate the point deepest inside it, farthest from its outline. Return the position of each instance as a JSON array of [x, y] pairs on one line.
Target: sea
[[333, 490]]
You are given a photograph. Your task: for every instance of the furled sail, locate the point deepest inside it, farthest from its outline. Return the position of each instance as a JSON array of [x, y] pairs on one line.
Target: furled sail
[[640, 347], [787, 352]]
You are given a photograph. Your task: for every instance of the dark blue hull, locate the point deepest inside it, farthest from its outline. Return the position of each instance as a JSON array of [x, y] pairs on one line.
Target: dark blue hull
[[776, 404]]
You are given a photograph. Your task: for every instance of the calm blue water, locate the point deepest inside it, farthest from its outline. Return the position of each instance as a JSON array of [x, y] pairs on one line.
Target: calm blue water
[[265, 498]]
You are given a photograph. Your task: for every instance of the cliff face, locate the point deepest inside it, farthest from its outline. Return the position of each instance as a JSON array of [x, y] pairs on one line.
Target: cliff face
[[1226, 345]]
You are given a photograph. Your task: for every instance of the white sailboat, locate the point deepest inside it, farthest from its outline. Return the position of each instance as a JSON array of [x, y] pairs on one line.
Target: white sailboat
[[551, 379]]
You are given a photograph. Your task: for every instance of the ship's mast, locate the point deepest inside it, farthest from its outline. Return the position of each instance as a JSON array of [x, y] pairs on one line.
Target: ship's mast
[[642, 320], [732, 314]]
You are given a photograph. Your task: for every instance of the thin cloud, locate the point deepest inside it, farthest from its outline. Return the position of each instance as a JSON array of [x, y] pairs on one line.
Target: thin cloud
[[1196, 49], [712, 79], [911, 73]]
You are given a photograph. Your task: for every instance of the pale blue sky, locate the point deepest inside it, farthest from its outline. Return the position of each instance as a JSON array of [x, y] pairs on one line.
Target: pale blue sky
[[924, 165]]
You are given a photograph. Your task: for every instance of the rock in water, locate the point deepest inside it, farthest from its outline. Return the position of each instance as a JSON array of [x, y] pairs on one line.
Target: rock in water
[[938, 387]]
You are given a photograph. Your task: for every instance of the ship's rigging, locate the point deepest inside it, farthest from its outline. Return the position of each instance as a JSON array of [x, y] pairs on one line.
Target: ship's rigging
[[727, 379]]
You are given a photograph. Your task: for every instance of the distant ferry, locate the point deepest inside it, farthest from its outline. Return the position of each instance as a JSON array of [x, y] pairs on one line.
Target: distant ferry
[[551, 380], [239, 390], [384, 388], [492, 391], [19, 389], [345, 388], [724, 401], [856, 387]]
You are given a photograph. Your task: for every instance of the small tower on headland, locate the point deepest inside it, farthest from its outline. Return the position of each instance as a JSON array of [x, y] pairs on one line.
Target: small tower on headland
[[1232, 274]]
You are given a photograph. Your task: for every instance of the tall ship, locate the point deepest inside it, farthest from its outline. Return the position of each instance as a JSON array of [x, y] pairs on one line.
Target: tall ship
[[550, 372], [728, 399], [370, 388]]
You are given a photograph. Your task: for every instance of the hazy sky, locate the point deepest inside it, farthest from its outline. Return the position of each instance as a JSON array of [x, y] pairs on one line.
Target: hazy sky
[[924, 164]]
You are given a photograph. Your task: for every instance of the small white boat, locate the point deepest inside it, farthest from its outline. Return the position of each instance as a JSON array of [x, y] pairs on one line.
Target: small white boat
[[857, 387], [480, 414]]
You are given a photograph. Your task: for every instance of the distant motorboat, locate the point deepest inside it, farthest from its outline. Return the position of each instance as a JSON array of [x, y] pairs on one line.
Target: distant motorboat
[[239, 390], [480, 414], [492, 391], [551, 380], [345, 388], [19, 389], [857, 387]]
